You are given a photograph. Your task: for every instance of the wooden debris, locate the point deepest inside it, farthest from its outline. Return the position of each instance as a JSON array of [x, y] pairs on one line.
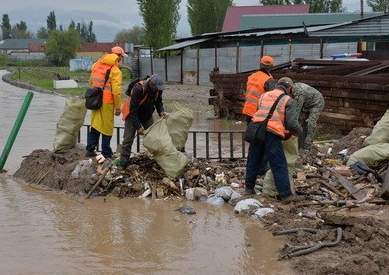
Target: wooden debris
[[354, 192]]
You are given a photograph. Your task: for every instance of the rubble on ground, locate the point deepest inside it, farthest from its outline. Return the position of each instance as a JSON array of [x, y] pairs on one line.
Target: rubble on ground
[[344, 217]]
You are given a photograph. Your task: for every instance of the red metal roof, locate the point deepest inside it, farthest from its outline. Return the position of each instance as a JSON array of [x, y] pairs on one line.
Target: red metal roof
[[36, 47], [99, 47], [233, 14]]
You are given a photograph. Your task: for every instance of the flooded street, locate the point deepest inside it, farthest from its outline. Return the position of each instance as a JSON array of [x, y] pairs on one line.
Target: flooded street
[[44, 232]]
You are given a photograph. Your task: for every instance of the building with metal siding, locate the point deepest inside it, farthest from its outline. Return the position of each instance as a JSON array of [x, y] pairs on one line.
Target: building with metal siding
[[239, 51], [296, 20]]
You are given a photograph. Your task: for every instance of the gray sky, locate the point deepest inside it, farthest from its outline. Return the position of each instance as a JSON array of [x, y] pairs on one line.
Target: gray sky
[[108, 16]]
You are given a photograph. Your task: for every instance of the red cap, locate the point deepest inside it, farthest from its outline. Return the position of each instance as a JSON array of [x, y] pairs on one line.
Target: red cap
[[267, 60]]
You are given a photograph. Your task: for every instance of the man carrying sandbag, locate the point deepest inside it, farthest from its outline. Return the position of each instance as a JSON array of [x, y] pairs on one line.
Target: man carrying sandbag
[[283, 119], [106, 75], [144, 98]]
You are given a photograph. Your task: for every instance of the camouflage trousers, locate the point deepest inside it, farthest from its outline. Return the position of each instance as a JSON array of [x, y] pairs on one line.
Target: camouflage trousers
[[308, 121]]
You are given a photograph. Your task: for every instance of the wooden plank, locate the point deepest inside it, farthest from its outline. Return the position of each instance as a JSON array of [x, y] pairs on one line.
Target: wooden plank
[[354, 192]]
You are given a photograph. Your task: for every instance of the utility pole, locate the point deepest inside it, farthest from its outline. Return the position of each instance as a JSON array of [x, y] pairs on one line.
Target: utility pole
[[362, 8]]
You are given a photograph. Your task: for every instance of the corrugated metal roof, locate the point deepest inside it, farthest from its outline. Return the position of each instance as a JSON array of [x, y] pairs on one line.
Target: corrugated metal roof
[[296, 20], [378, 26], [184, 44], [282, 31], [18, 44], [232, 19]]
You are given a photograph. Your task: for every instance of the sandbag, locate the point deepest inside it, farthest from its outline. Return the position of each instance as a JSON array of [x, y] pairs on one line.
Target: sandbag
[[69, 124], [370, 154], [178, 125], [380, 132], [291, 153], [159, 143]]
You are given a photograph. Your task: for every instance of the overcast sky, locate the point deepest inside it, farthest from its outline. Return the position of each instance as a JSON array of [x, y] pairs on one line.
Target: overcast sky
[[109, 16]]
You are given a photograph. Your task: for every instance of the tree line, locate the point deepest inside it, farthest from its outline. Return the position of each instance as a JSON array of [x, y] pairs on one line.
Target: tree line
[[20, 30]]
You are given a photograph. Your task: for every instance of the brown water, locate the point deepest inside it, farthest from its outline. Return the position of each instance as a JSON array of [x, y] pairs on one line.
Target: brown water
[[48, 233], [44, 232]]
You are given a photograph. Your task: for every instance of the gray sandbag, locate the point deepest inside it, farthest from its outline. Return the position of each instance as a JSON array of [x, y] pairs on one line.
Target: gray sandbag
[[69, 124], [380, 132], [370, 155], [159, 143], [291, 153], [178, 125]]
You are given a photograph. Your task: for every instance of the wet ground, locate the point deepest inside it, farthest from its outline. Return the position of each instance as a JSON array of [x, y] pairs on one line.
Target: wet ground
[[44, 232], [47, 233]]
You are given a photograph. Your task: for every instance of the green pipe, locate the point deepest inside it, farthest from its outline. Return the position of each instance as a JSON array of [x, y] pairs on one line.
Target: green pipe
[[15, 129]]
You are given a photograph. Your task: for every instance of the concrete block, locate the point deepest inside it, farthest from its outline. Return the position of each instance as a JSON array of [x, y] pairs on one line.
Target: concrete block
[[65, 84]]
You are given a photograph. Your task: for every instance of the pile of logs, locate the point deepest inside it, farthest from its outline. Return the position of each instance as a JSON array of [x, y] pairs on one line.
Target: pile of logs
[[356, 92]]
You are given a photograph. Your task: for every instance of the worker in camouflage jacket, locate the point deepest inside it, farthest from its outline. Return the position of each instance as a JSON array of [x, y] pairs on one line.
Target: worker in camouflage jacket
[[310, 104]]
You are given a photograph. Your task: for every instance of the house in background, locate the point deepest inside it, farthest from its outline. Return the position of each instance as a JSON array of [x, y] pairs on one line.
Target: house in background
[[232, 20], [97, 49], [23, 49]]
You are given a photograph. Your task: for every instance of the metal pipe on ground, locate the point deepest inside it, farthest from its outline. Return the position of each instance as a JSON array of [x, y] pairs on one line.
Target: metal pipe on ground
[[15, 129]]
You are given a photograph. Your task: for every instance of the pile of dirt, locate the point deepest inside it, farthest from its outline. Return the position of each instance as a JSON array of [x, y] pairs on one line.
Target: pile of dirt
[[363, 249], [43, 167], [353, 141], [72, 172]]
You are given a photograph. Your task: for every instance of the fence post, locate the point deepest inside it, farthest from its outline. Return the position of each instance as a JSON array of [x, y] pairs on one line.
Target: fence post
[[321, 48], [151, 61], [198, 66], [216, 55], [182, 66], [262, 47], [237, 56], [166, 77]]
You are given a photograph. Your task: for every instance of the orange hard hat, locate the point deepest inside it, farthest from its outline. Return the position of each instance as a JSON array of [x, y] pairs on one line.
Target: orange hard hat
[[119, 51], [267, 60]]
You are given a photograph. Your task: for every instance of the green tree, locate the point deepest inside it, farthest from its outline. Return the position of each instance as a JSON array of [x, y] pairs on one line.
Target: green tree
[[160, 19], [62, 46], [207, 16], [51, 22], [316, 6], [379, 5], [134, 35], [19, 30], [91, 37], [84, 32], [78, 28], [6, 27], [72, 25], [42, 33]]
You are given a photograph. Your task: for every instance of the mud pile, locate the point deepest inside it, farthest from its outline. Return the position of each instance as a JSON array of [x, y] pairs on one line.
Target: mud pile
[[72, 172], [353, 141]]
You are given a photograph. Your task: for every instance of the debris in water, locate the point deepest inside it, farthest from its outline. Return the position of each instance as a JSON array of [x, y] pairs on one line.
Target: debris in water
[[187, 210]]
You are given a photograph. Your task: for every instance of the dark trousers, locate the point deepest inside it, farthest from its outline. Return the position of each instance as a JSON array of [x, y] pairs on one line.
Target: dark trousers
[[129, 136], [271, 152], [93, 142]]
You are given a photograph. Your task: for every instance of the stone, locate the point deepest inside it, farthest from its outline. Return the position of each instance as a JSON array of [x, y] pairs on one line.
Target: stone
[[262, 212], [246, 206], [224, 192], [65, 84], [187, 210], [215, 201], [196, 193]]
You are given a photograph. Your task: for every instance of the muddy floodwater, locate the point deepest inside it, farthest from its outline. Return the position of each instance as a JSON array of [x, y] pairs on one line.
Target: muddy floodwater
[[44, 232]]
